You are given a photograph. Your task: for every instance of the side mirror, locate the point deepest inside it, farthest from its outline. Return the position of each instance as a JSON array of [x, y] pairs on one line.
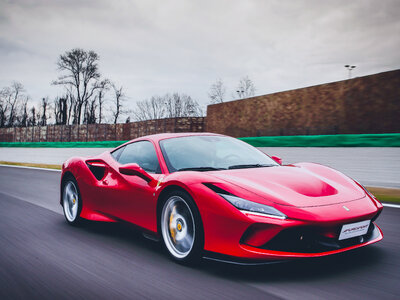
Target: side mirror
[[277, 159], [135, 170]]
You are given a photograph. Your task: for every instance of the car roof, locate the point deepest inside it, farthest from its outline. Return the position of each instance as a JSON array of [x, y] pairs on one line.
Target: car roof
[[162, 136]]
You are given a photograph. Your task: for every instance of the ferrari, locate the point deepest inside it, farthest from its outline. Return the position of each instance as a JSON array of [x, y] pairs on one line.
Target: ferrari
[[214, 196]]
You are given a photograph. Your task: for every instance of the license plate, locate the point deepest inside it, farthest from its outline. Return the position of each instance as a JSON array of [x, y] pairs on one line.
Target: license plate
[[354, 229]]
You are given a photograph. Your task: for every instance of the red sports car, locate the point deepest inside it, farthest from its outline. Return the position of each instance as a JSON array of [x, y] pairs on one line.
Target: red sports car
[[209, 195]]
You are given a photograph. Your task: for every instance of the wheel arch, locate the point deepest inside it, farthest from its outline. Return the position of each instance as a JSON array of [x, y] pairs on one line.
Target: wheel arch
[[65, 176]]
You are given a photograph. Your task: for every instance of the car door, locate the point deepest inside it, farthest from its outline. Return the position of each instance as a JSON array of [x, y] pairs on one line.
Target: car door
[[131, 197]]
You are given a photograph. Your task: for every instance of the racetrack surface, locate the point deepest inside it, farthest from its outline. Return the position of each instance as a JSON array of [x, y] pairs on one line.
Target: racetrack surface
[[43, 257]]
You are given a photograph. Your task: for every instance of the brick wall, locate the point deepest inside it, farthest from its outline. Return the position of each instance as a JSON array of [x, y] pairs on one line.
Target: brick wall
[[100, 132], [369, 104]]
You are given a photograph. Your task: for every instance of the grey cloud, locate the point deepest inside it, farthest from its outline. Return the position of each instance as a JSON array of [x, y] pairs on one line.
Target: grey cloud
[[155, 47]]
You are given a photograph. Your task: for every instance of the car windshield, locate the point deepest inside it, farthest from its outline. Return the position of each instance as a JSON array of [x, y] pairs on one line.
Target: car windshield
[[209, 153]]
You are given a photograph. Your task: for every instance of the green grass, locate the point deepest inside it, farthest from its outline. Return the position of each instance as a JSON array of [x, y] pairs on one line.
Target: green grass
[[388, 199], [45, 166], [386, 195]]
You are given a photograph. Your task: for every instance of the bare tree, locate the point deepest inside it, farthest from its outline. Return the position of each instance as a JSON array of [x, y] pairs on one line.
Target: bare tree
[[151, 109], [80, 76], [3, 107], [90, 111], [71, 103], [43, 111], [245, 88], [38, 115], [167, 106], [32, 118], [61, 110], [217, 92], [103, 88], [22, 118], [181, 105], [118, 99], [13, 95]]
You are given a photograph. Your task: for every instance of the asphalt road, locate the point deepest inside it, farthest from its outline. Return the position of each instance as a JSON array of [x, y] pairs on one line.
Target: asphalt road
[[43, 257]]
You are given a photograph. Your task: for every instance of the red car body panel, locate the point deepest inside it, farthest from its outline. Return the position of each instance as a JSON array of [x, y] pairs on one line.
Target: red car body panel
[[311, 195]]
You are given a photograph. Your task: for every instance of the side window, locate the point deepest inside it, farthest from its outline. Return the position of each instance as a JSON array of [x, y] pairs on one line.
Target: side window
[[117, 153], [141, 153]]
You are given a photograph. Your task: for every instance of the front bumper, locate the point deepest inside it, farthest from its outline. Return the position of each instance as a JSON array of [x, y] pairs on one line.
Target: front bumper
[[257, 256], [255, 238]]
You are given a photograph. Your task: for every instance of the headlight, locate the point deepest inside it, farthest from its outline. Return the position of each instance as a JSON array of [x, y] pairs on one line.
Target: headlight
[[246, 206]]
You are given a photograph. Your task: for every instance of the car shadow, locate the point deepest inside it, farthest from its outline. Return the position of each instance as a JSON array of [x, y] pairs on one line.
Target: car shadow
[[354, 261], [124, 232], [313, 269]]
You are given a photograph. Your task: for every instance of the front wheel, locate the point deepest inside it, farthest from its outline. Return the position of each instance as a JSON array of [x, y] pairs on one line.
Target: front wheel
[[181, 228], [72, 204]]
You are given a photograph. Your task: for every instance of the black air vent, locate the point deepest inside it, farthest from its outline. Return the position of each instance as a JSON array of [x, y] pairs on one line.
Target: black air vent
[[216, 189], [97, 169]]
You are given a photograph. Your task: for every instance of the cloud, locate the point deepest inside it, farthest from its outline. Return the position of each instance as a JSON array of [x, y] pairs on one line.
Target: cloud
[[153, 47]]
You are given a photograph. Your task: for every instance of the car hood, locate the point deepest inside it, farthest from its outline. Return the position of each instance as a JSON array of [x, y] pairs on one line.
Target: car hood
[[299, 185]]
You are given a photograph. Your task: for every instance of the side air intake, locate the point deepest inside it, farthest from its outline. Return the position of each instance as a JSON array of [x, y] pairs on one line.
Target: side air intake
[[97, 167]]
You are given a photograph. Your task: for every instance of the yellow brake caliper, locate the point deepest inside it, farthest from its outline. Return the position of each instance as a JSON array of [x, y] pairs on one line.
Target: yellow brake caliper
[[171, 228]]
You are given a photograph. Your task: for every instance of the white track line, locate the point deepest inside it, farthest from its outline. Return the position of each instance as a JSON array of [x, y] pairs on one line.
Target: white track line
[[391, 205], [45, 169], [33, 168]]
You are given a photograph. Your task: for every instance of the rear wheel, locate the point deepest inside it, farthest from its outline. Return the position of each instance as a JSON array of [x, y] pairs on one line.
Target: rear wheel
[[181, 228], [72, 204]]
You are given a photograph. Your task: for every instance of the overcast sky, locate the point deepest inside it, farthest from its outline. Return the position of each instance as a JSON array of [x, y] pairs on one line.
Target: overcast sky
[[155, 47]]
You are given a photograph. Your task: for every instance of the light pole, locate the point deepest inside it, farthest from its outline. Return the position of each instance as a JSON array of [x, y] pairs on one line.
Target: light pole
[[240, 94], [350, 68]]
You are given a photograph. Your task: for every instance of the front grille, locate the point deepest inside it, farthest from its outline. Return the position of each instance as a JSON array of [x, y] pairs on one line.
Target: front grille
[[313, 240]]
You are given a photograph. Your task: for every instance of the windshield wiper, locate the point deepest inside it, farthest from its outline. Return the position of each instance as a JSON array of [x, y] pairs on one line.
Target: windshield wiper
[[201, 169], [249, 166]]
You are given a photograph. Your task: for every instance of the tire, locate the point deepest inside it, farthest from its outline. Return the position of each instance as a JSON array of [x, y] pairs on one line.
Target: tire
[[71, 201], [181, 228]]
